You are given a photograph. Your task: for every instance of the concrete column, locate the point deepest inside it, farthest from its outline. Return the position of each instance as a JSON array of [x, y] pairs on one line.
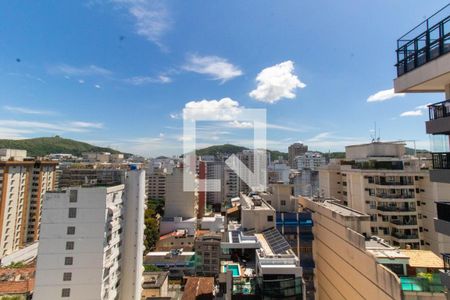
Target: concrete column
[[447, 91]]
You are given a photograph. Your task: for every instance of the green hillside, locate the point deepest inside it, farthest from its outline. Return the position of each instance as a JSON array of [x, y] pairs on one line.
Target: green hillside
[[46, 145]]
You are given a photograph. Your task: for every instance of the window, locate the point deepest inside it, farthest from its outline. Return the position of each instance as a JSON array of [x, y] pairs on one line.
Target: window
[[72, 212], [67, 276], [65, 293], [68, 260], [70, 245], [73, 196], [71, 230], [283, 202], [269, 218]]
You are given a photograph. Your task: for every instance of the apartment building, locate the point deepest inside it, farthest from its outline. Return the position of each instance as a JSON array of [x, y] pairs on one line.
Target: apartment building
[[23, 182], [178, 202], [256, 214], [156, 185], [423, 66], [395, 190], [310, 161], [251, 159], [92, 173], [91, 242], [207, 251], [295, 150], [351, 264]]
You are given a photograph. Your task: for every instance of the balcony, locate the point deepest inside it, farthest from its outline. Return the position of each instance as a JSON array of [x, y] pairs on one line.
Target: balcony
[[445, 273], [433, 42], [442, 222], [402, 236], [404, 224], [441, 167], [439, 117], [395, 210], [422, 64]]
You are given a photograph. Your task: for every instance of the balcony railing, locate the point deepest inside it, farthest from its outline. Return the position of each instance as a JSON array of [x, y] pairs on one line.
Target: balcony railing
[[396, 208], [404, 222], [439, 110], [443, 211], [402, 236], [441, 160], [425, 42]]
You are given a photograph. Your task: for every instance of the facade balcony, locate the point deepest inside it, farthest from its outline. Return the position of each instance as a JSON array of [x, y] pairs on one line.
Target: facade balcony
[[439, 118], [403, 224], [405, 238], [445, 273], [395, 210], [441, 167], [422, 61], [401, 196], [442, 222]]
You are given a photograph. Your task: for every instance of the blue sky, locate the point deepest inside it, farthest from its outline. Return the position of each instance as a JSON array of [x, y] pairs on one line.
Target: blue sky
[[118, 73]]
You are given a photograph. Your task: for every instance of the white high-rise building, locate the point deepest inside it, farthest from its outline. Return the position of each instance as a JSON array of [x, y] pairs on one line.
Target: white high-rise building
[[91, 242], [310, 160]]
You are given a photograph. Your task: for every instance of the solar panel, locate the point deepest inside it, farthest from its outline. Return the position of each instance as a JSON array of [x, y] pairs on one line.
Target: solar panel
[[276, 241]]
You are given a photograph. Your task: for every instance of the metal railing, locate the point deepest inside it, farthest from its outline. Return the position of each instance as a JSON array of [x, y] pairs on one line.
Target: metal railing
[[439, 110], [395, 208], [441, 160], [404, 222], [405, 236], [425, 42]]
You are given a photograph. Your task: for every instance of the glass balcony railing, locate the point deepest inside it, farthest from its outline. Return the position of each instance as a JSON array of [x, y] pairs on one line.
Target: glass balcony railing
[[439, 110], [425, 42], [441, 160], [443, 211]]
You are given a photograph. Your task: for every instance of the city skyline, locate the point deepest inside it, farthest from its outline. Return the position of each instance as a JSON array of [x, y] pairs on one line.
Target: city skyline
[[119, 73]]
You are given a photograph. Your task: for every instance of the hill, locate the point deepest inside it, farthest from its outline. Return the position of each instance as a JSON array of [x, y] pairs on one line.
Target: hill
[[233, 149], [274, 154], [46, 145]]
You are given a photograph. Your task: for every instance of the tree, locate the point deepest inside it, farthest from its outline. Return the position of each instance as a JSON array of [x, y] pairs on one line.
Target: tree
[[151, 229]]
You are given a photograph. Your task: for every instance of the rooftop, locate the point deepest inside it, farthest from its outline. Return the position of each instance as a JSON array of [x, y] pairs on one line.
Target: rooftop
[[255, 202], [423, 259], [154, 279], [199, 288]]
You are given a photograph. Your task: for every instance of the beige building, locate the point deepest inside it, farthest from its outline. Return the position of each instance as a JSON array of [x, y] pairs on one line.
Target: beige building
[[393, 189], [207, 251], [352, 265], [178, 202], [23, 185], [155, 284], [156, 185], [295, 150], [256, 214]]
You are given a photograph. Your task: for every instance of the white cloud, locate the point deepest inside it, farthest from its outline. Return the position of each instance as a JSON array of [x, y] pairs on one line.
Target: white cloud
[[81, 81], [424, 107], [67, 70], [80, 124], [143, 80], [276, 82], [225, 109], [238, 124], [14, 126], [24, 110], [152, 19], [97, 86], [217, 67], [384, 95], [319, 137], [411, 113]]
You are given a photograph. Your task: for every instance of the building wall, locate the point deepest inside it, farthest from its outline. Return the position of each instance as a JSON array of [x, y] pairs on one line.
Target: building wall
[[344, 270], [133, 243], [179, 203], [22, 185], [96, 244]]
